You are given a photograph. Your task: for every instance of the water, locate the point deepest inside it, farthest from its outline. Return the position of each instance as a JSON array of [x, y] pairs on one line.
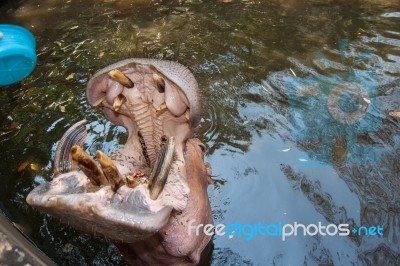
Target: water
[[277, 157]]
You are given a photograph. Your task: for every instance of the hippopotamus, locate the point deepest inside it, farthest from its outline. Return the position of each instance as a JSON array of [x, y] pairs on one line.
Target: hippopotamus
[[143, 196]]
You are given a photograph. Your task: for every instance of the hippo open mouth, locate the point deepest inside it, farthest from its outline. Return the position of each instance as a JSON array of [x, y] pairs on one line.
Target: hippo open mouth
[[157, 181]]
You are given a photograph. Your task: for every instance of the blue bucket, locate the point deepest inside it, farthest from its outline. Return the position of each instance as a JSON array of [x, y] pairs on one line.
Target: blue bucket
[[17, 53]]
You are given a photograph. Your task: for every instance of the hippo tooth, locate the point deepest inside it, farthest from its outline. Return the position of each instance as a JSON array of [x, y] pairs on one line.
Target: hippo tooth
[[88, 166], [159, 161], [187, 114], [161, 109], [75, 135], [110, 171], [121, 78], [118, 102], [162, 166], [131, 182], [136, 179], [160, 82]]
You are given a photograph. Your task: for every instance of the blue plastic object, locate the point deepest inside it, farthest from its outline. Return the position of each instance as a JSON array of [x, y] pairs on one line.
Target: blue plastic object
[[17, 53]]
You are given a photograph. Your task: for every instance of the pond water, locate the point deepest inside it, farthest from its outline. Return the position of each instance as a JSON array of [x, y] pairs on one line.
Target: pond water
[[283, 146]]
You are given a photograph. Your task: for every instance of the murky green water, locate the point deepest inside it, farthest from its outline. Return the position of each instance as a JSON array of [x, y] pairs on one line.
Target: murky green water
[[279, 157]]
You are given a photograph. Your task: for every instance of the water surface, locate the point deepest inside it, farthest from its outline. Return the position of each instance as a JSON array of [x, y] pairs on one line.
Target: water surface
[[277, 157]]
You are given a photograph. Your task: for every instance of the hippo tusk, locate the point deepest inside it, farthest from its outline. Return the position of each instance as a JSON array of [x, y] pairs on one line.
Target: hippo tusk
[[88, 166], [161, 167], [160, 82], [110, 171], [121, 78], [76, 135]]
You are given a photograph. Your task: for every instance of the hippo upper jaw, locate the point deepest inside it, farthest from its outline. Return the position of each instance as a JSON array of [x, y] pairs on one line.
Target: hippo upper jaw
[[175, 84], [157, 102]]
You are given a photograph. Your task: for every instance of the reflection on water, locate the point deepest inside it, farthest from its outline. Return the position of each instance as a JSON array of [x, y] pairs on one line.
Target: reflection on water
[[242, 54]]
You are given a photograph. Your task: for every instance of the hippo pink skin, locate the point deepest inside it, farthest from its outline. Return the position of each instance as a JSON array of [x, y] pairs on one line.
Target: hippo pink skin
[[161, 102], [173, 245]]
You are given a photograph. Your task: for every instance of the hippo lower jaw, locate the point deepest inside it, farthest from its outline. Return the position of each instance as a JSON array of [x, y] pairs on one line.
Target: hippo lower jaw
[[125, 198]]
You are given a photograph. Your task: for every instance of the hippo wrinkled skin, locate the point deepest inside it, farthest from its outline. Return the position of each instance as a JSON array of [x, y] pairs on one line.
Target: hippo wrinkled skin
[[144, 195]]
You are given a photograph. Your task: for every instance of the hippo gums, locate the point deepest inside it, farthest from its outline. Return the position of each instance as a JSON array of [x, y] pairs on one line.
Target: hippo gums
[[143, 196]]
